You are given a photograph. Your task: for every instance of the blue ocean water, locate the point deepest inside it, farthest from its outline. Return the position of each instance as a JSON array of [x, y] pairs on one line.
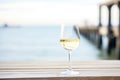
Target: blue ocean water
[[40, 44]]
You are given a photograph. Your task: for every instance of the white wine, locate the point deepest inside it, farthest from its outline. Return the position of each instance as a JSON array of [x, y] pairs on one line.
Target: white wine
[[70, 44]]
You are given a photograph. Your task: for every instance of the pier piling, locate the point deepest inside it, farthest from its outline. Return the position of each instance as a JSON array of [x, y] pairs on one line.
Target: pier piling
[[99, 26], [111, 36], [118, 40]]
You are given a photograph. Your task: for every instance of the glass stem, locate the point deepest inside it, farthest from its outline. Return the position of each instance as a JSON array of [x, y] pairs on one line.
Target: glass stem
[[69, 60]]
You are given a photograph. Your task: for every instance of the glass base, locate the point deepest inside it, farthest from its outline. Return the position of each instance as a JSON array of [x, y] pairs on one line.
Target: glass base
[[70, 72]]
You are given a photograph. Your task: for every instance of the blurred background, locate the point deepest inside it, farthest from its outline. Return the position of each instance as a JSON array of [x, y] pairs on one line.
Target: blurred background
[[30, 29]]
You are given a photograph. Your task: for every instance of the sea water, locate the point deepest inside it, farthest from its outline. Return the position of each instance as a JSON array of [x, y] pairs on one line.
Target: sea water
[[40, 43]]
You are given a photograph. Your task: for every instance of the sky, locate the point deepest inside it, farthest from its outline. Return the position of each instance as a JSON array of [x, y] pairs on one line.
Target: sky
[[39, 12]]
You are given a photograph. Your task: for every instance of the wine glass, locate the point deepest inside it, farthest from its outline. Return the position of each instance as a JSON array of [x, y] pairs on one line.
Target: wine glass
[[70, 39]]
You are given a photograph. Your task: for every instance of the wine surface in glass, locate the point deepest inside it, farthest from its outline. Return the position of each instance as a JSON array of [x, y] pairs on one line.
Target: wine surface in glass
[[70, 44]]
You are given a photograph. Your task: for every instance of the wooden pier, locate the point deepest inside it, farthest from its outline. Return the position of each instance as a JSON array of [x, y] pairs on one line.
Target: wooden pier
[[95, 33]]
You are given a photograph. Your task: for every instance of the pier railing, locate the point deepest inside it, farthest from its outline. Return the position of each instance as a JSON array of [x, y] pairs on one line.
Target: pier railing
[[92, 32]]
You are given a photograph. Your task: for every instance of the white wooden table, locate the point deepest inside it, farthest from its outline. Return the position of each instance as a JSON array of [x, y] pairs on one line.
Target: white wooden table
[[89, 70]]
